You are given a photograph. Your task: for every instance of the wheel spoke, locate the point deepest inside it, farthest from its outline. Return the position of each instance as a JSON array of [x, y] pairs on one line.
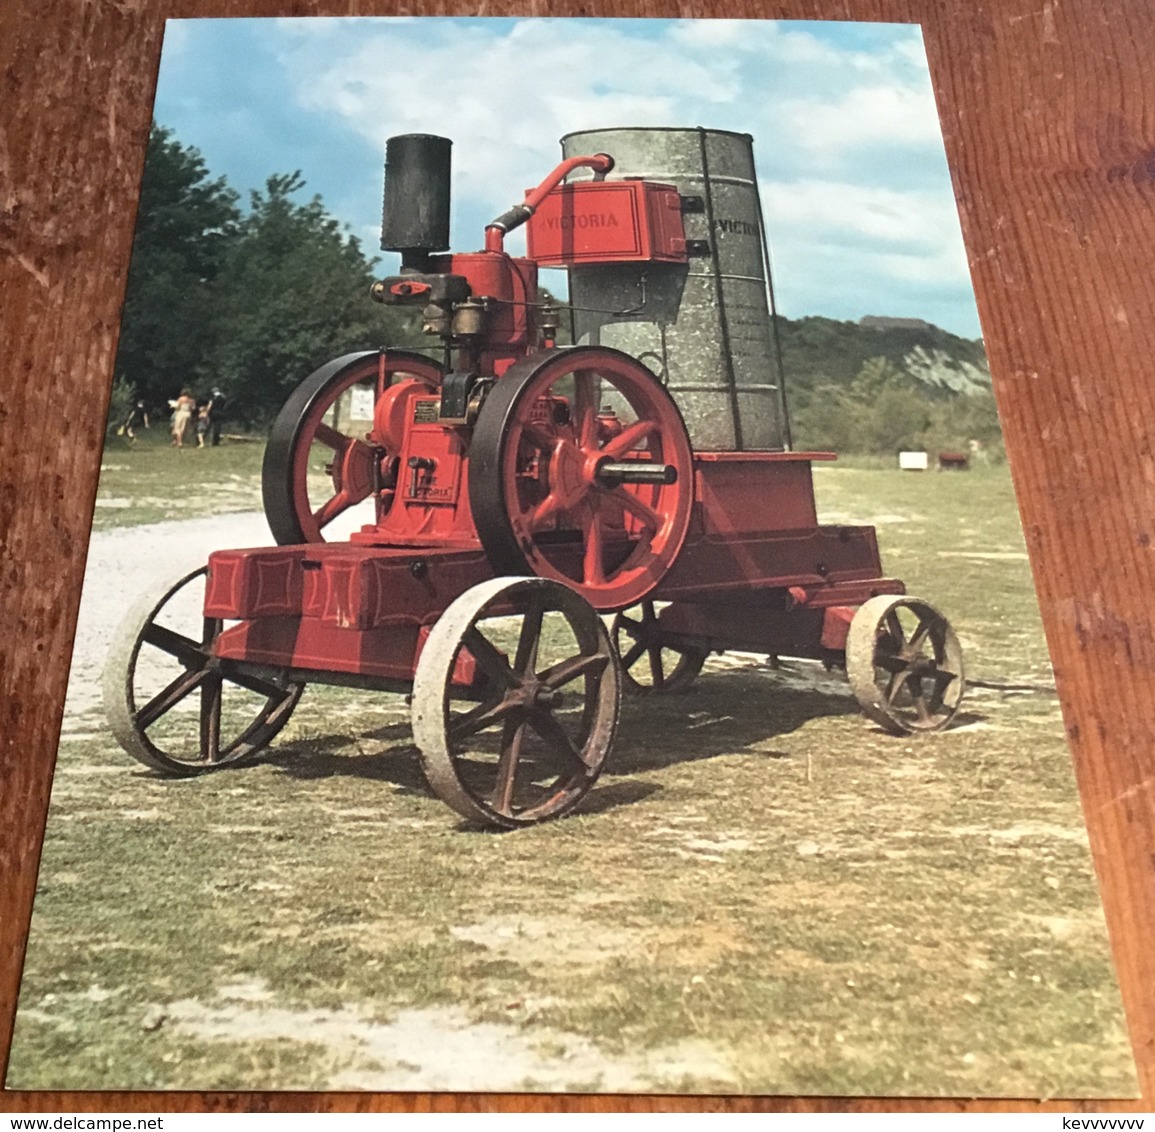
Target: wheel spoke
[[539, 439], [629, 439], [918, 637], [189, 652], [894, 629], [211, 689], [478, 719], [566, 671], [889, 662], [642, 511], [584, 408], [593, 562], [629, 625], [169, 697], [511, 737], [894, 687], [632, 657], [938, 631], [920, 704], [559, 742], [253, 683], [334, 506], [331, 438], [942, 681], [527, 642], [656, 670], [549, 508], [490, 659]]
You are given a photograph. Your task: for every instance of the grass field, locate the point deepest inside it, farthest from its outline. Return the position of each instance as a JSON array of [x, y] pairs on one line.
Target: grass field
[[764, 893], [148, 481]]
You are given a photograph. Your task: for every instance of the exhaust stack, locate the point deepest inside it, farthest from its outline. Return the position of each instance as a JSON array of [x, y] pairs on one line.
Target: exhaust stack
[[415, 207]]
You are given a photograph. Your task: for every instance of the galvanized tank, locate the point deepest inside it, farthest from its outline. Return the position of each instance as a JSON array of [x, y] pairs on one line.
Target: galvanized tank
[[705, 326]]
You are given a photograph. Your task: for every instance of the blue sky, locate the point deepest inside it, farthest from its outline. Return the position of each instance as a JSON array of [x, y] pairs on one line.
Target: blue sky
[[849, 151]]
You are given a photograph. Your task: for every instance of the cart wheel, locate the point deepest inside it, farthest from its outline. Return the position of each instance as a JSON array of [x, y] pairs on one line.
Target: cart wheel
[[905, 664], [650, 662], [532, 734], [550, 485], [307, 444], [170, 703]]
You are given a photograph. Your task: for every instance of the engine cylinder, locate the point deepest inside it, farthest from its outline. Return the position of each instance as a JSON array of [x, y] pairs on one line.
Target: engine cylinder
[[415, 208], [705, 326]]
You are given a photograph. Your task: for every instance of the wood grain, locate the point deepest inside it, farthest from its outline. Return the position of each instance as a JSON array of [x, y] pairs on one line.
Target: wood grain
[[1048, 111]]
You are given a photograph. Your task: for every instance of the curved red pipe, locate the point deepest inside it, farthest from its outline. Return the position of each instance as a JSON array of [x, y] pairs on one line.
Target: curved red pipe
[[600, 163]]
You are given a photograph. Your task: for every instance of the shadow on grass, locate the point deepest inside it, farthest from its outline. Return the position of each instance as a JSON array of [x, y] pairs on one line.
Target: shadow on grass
[[329, 756], [602, 799], [723, 714]]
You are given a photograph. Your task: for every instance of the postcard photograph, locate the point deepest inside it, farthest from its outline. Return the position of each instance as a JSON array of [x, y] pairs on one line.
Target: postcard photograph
[[556, 615]]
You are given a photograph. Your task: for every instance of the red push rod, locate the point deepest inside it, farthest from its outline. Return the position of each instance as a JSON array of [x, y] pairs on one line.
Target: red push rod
[[495, 230]]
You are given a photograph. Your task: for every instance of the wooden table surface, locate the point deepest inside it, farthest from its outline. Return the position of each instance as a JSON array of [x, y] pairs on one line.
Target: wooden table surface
[[1048, 112]]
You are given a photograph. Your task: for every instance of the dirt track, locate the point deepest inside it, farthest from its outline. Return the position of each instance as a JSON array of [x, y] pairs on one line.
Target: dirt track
[[121, 564]]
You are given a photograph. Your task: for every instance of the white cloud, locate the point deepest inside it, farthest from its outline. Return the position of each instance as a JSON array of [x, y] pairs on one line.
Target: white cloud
[[844, 124], [887, 217], [863, 116], [710, 33]]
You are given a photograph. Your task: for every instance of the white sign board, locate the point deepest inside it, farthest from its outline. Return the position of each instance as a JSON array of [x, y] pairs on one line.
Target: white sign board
[[361, 403]]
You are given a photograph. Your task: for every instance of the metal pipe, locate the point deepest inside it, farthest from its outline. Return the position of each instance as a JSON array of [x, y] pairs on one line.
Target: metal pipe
[[634, 471], [495, 230]]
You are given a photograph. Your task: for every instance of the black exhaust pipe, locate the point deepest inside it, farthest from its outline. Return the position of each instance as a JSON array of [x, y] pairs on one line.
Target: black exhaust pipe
[[415, 208]]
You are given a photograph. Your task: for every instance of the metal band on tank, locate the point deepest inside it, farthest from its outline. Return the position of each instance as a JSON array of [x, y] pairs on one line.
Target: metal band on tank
[[723, 321], [775, 329]]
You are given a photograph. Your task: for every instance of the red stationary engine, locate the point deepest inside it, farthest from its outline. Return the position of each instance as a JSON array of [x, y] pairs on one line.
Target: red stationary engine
[[511, 491]]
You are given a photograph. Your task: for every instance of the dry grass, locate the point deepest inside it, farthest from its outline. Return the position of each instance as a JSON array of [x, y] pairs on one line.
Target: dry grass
[[764, 893]]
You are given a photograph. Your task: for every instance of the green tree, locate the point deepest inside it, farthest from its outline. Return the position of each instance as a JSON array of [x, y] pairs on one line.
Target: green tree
[[881, 411], [294, 292], [185, 224]]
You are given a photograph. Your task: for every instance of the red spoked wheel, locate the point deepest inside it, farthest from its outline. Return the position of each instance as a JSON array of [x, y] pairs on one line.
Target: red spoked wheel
[[581, 471], [319, 466]]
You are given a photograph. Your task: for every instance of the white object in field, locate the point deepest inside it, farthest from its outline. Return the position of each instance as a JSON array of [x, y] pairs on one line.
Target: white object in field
[[913, 461], [361, 406]]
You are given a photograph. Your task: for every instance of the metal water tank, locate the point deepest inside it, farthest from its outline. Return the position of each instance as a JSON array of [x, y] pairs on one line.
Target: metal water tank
[[706, 326]]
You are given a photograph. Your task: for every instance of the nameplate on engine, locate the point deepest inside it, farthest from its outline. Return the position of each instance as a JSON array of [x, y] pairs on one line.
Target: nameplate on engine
[[426, 410]]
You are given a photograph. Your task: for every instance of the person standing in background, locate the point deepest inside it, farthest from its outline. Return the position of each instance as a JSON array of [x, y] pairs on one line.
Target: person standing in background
[[137, 416], [216, 415], [184, 408]]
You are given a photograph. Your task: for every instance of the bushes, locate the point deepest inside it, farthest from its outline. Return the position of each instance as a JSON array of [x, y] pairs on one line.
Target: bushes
[[885, 410]]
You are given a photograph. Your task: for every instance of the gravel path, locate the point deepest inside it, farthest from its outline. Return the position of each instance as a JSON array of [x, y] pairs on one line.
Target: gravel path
[[124, 562]]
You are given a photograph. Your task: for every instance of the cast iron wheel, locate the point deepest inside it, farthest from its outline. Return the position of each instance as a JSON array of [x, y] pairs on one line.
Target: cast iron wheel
[[651, 662], [904, 664], [303, 442], [526, 739], [170, 703], [545, 474]]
